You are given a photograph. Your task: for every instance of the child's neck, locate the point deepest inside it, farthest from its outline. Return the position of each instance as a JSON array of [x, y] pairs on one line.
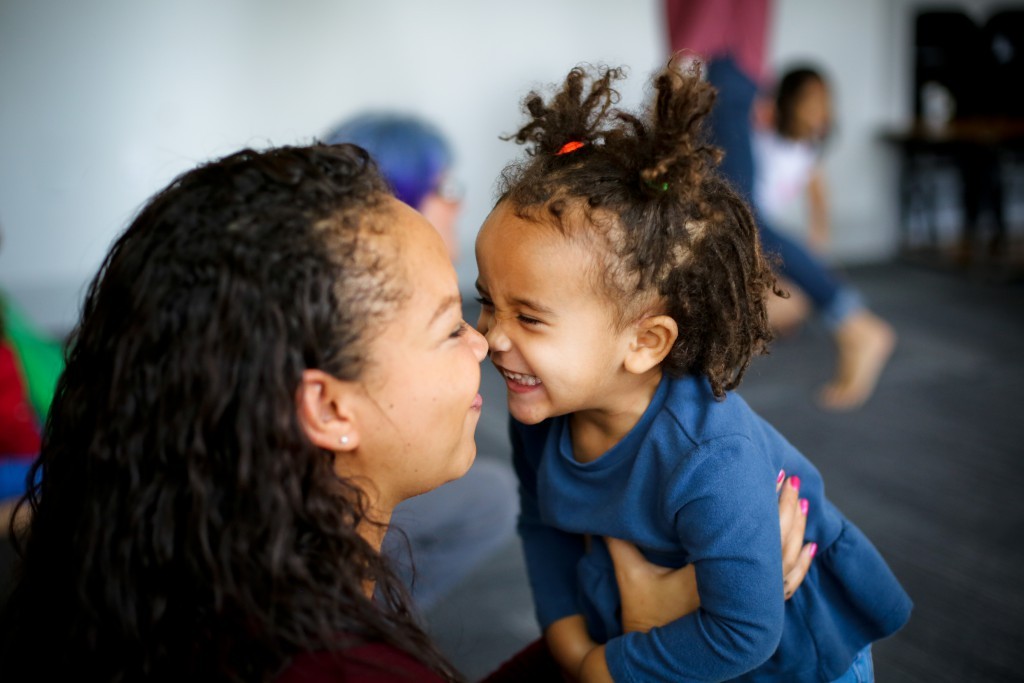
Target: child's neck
[[596, 430]]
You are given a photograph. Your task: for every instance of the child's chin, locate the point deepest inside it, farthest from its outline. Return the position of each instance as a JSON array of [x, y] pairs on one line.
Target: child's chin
[[528, 417]]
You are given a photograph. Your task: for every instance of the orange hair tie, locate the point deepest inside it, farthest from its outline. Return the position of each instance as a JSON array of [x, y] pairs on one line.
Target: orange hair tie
[[569, 147]]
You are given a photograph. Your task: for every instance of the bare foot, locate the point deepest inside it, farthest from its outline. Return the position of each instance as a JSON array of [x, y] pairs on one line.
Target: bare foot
[[865, 343]]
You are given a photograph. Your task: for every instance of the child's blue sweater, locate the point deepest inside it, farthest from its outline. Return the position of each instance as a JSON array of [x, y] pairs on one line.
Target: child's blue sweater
[[694, 482]]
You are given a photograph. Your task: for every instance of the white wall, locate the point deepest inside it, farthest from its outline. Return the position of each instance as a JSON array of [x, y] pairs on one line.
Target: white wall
[[103, 102]]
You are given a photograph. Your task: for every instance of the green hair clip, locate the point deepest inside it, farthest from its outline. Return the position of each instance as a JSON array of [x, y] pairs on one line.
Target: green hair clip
[[657, 186]]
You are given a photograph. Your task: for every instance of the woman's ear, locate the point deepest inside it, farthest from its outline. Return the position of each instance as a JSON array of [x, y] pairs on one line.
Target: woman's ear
[[652, 340], [325, 409]]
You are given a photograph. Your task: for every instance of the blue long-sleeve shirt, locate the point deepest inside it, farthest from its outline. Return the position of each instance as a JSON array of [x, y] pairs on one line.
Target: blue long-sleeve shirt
[[694, 482]]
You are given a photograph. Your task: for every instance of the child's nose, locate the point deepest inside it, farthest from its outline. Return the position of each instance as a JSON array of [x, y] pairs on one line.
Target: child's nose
[[496, 339]]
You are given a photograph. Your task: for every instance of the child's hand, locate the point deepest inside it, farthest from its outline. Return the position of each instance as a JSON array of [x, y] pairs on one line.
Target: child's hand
[[796, 557]]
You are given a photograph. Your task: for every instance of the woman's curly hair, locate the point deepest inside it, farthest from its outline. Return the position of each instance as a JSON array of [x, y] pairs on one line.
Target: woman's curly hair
[[675, 236], [183, 526]]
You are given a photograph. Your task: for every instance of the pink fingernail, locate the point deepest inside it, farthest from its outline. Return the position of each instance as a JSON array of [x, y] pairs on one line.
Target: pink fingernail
[[782, 475], [804, 505], [814, 549], [794, 481]]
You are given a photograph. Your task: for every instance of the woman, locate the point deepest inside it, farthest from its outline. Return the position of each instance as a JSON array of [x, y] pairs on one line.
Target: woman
[[438, 539], [261, 373]]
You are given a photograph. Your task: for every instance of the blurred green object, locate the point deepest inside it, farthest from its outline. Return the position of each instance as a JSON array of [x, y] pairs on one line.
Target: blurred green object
[[41, 358]]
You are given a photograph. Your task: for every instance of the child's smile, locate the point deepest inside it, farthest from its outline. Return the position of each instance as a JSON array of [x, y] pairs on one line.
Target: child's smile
[[518, 382]]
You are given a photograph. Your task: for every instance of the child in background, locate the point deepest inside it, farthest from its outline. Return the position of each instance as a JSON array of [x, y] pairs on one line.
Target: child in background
[[787, 147], [788, 151], [787, 164], [730, 36], [622, 285]]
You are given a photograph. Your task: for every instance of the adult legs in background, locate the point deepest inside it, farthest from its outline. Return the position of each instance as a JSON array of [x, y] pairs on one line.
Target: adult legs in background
[[730, 122], [863, 340], [438, 538]]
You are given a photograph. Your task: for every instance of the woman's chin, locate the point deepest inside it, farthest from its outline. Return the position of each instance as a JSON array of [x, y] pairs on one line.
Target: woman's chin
[[467, 461]]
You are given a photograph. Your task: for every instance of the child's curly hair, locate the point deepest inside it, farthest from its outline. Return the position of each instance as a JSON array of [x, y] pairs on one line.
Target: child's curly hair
[[677, 238]]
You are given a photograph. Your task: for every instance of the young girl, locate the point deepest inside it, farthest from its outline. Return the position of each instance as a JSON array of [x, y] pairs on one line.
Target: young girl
[[788, 151], [623, 287]]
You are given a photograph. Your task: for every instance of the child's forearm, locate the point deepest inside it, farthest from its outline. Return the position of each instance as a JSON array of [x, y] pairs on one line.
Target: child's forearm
[[570, 643], [818, 210]]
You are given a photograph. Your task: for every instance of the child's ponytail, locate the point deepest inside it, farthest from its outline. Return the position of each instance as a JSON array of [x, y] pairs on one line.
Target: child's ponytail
[[666, 150], [677, 156], [574, 117]]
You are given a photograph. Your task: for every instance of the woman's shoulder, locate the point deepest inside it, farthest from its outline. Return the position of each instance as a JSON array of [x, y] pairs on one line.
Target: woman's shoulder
[[374, 662]]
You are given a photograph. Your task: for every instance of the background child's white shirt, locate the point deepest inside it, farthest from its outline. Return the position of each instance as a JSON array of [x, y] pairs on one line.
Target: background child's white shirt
[[783, 171]]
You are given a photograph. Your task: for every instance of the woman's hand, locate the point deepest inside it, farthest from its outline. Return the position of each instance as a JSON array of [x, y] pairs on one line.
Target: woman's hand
[[796, 556], [651, 595], [654, 596]]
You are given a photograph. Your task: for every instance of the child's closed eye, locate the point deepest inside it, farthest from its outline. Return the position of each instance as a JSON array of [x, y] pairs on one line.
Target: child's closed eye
[[459, 330]]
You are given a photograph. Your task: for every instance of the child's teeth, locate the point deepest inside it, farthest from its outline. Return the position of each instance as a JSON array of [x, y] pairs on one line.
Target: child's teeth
[[528, 380]]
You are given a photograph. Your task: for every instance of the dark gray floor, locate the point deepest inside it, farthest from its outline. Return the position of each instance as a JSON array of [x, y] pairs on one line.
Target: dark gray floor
[[932, 469]]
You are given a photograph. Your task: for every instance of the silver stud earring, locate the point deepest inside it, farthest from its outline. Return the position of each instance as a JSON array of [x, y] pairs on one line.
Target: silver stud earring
[[344, 440]]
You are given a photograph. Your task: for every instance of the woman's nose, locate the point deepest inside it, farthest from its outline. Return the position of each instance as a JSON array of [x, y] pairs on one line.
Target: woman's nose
[[478, 343]]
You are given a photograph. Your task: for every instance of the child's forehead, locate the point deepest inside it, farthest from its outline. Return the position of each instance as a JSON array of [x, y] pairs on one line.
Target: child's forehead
[[509, 230], [566, 220], [537, 259]]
